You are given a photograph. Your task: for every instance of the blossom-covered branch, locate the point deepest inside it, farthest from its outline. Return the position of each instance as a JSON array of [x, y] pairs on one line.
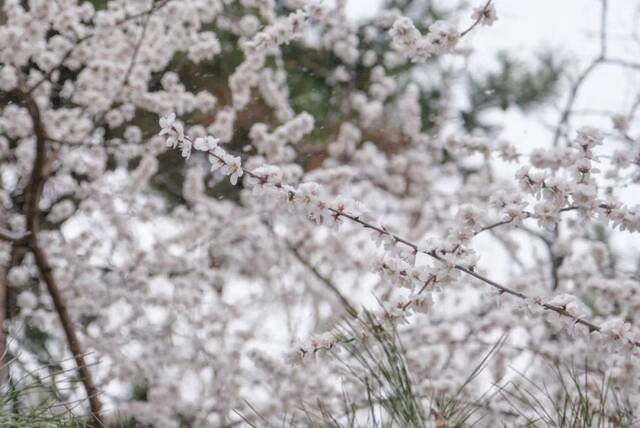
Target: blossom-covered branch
[[308, 198]]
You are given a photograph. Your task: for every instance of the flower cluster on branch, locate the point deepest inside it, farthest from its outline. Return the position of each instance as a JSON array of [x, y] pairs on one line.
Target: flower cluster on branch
[[307, 168]]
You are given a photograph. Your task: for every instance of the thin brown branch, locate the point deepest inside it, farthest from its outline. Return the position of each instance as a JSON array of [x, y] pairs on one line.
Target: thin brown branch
[[4, 291], [573, 94], [81, 40], [501, 288], [623, 63], [319, 276], [494, 225], [337, 213], [9, 236], [577, 84], [32, 214], [136, 48], [53, 69], [156, 6], [324, 280]]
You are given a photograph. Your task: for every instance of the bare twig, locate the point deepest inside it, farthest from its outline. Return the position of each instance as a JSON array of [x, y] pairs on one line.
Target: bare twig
[[319, 276], [324, 280], [81, 40], [7, 235], [577, 84], [4, 290], [623, 63], [136, 48]]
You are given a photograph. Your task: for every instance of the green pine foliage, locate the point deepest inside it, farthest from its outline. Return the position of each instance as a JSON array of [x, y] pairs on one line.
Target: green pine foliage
[[376, 362]]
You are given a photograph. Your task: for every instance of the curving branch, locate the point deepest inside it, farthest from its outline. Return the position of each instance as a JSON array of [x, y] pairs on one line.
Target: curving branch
[[32, 213], [157, 6], [324, 280], [9, 236], [4, 291], [341, 213], [295, 250], [582, 77]]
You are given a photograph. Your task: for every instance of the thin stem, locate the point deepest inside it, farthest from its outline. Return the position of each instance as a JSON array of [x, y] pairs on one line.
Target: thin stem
[[324, 280], [477, 21], [9, 236], [575, 88]]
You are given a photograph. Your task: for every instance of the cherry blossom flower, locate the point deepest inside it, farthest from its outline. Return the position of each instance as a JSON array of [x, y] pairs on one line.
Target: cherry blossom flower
[[485, 14]]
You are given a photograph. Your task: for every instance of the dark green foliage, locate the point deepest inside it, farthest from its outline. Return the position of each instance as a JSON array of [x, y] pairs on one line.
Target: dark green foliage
[[586, 400], [514, 83], [30, 401], [376, 362], [456, 411], [37, 400]]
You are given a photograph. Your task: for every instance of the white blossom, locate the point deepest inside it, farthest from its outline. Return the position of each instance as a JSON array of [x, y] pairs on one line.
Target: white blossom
[[373, 189], [485, 14]]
